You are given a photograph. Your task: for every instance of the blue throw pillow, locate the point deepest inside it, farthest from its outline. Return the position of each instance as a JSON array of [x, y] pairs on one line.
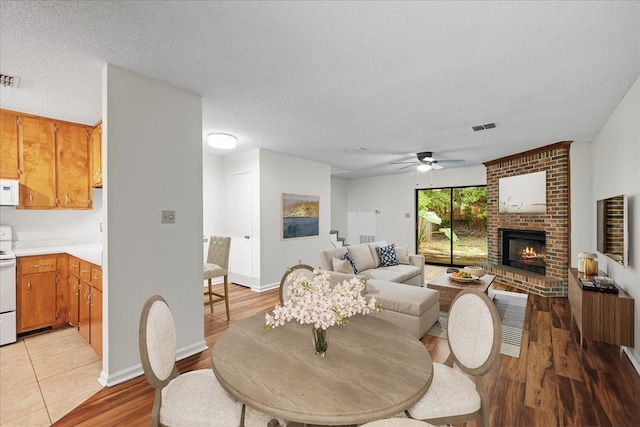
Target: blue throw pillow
[[387, 255], [349, 258]]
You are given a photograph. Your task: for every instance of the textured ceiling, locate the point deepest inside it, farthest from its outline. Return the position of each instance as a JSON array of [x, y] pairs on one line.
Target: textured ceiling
[[313, 79]]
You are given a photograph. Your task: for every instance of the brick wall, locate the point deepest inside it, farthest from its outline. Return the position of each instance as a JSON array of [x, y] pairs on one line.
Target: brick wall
[[554, 159]]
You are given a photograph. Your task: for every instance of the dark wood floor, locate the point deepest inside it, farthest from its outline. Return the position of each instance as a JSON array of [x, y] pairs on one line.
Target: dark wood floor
[[554, 382]]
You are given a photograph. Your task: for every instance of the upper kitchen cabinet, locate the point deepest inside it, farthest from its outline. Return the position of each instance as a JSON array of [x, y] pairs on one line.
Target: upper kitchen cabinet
[[9, 159], [36, 139], [72, 145], [96, 156]]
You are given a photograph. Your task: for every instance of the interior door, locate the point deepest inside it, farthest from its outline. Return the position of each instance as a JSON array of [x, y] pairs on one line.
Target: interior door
[[240, 220]]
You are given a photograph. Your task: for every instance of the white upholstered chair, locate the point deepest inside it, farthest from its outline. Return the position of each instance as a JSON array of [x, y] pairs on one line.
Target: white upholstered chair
[[217, 265], [306, 270], [194, 398], [474, 335]]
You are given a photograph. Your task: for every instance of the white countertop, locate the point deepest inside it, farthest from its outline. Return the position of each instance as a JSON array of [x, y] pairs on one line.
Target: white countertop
[[91, 252]]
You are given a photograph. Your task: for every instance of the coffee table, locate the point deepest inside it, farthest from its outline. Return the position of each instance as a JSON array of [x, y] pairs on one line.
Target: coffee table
[[449, 288], [372, 369]]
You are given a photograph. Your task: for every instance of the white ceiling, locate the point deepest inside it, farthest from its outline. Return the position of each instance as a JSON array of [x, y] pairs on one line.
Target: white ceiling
[[313, 79]]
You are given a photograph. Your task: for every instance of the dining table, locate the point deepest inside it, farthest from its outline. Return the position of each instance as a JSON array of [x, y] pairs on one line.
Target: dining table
[[372, 369]]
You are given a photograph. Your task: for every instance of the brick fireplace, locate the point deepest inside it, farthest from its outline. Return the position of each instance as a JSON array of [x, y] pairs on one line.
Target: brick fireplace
[[540, 266]]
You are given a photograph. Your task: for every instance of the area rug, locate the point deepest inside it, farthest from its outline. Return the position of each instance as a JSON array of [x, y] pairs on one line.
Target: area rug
[[511, 308]]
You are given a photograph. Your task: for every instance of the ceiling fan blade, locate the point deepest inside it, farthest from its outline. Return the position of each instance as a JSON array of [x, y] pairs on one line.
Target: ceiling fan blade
[[404, 163], [435, 166], [408, 166], [449, 161]]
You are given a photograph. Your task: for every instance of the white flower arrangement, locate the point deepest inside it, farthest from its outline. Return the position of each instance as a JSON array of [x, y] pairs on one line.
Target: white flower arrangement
[[315, 302]]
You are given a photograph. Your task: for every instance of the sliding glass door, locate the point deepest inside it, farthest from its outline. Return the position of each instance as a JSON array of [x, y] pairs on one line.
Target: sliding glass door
[[452, 225]]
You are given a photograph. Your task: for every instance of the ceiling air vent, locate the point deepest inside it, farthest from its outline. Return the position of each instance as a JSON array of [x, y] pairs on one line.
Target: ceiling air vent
[[483, 127], [9, 81]]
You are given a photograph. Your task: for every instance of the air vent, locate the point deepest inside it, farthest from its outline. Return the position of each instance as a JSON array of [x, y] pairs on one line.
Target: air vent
[[483, 127], [356, 149], [9, 81]]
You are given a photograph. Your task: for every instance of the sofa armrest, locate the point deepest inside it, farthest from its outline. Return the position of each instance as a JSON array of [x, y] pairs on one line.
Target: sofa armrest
[[418, 261]]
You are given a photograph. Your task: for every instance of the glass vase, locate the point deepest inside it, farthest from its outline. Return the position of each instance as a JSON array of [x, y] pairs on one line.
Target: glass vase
[[320, 340]]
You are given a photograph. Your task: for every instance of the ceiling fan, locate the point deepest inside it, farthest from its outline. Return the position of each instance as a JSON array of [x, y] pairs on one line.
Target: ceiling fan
[[425, 162]]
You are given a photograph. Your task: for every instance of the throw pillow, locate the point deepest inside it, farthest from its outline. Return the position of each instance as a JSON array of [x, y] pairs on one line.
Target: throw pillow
[[342, 266], [387, 255], [349, 258], [402, 254]]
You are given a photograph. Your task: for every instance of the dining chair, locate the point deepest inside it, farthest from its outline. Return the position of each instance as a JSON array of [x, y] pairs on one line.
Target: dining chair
[[396, 422], [474, 335], [217, 265], [194, 398], [306, 270]]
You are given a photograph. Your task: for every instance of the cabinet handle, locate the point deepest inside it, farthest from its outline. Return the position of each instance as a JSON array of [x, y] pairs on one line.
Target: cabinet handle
[[84, 271], [45, 265], [30, 197], [35, 266], [97, 277], [66, 198], [89, 298], [28, 286]]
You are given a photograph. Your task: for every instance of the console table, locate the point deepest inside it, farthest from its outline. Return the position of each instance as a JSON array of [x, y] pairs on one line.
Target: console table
[[601, 316]]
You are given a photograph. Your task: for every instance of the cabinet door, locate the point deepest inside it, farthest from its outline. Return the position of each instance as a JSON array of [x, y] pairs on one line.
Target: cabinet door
[[9, 163], [62, 289], [37, 301], [96, 277], [96, 321], [75, 292], [38, 181], [96, 157], [84, 311], [72, 142]]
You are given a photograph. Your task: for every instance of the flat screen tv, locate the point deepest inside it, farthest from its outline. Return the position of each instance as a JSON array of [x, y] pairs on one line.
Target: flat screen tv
[[612, 228]]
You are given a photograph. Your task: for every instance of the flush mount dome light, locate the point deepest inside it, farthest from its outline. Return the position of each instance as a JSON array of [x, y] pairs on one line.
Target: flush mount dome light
[[424, 168], [221, 140]]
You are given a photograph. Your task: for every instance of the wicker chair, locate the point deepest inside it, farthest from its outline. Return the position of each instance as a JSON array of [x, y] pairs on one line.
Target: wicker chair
[[474, 335]]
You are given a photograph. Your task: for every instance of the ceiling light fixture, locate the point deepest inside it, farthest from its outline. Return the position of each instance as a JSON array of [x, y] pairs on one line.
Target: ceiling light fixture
[[222, 140], [424, 168]]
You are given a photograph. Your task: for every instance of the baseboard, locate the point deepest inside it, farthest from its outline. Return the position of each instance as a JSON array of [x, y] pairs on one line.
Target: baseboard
[[215, 281], [632, 358], [109, 380], [267, 287]]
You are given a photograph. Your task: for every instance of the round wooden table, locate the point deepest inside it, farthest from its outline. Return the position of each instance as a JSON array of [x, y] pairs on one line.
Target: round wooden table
[[372, 369]]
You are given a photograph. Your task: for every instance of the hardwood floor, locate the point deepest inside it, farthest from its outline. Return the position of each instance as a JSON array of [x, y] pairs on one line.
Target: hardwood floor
[[554, 382]]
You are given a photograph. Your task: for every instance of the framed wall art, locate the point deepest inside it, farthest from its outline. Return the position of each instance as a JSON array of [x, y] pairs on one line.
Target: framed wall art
[[300, 216], [523, 193]]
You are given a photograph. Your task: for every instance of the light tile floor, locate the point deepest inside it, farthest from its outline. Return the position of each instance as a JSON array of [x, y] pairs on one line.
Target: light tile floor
[[43, 377]]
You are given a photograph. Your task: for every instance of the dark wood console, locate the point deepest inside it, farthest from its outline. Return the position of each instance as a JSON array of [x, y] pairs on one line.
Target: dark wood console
[[601, 316]]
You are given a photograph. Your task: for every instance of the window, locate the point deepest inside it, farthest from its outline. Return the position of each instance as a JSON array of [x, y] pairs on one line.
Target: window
[[452, 225]]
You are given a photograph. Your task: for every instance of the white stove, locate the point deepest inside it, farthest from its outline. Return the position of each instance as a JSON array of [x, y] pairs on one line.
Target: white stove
[[7, 287]]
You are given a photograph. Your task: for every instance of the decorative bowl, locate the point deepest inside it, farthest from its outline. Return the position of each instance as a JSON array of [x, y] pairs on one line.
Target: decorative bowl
[[476, 271]]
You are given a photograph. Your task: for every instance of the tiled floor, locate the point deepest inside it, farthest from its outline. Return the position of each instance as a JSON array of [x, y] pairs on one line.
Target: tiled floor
[[43, 377]]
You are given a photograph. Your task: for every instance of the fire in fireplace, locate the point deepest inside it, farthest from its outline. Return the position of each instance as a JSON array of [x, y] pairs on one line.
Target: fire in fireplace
[[524, 249]]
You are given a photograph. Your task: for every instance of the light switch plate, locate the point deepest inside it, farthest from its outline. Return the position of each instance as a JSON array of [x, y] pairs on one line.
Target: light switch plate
[[168, 217]]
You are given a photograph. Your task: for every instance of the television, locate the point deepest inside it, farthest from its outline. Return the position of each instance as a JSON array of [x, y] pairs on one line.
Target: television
[[612, 228]]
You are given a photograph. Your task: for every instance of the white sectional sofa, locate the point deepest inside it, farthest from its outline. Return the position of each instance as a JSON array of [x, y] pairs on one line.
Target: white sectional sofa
[[409, 270], [413, 308]]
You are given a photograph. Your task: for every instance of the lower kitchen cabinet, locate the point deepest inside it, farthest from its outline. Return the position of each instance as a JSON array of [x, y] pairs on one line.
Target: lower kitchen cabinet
[[95, 320], [37, 301], [86, 293], [84, 311]]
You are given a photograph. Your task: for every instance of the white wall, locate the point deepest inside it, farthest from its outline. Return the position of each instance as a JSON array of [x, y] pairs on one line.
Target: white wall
[[582, 208], [55, 227], [152, 154], [615, 160], [394, 196], [214, 197], [279, 174], [339, 202]]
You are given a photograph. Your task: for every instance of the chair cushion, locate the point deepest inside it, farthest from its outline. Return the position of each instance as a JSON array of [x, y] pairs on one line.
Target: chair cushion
[[214, 270], [401, 298], [451, 393], [387, 255], [396, 273], [197, 398]]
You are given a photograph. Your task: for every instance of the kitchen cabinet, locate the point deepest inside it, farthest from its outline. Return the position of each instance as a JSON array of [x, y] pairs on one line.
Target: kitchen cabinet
[[9, 159], [74, 291], [36, 139], [87, 285], [62, 290], [84, 323], [95, 320], [96, 156], [72, 156], [37, 293]]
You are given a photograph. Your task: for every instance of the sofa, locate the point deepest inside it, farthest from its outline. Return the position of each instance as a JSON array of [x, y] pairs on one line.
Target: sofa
[[398, 288], [408, 270]]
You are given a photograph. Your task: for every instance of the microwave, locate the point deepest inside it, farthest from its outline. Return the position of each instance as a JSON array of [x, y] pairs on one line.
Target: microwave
[[9, 192]]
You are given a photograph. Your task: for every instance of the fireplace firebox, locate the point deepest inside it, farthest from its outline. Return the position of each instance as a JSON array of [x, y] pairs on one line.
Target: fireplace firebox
[[524, 249]]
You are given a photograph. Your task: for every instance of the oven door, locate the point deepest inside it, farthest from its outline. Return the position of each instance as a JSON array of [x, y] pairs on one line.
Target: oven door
[[7, 285]]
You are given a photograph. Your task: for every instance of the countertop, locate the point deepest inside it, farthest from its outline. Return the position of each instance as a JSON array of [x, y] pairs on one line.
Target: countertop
[[91, 252]]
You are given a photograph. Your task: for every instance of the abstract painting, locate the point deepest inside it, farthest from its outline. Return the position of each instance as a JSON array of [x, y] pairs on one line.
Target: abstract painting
[[523, 193], [300, 216]]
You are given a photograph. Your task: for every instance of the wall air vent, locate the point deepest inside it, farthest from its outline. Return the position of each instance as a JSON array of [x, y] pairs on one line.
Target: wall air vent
[[9, 81], [483, 127]]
